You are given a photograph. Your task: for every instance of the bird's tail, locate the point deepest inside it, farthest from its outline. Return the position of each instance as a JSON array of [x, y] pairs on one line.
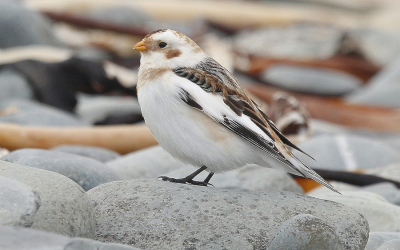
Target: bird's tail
[[307, 172], [295, 166]]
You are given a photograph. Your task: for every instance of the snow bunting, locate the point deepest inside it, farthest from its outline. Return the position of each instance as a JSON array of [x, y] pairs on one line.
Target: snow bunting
[[199, 113]]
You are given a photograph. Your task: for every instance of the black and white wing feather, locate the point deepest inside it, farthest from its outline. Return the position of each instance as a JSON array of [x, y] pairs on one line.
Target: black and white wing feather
[[224, 101]]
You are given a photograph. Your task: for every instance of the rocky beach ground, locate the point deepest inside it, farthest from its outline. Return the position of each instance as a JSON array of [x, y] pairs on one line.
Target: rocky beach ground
[[56, 194]]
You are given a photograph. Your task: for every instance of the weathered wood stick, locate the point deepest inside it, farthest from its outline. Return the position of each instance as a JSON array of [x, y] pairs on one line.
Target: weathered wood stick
[[120, 138]]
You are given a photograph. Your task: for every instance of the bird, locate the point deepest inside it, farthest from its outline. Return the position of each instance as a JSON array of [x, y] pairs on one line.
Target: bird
[[200, 114]]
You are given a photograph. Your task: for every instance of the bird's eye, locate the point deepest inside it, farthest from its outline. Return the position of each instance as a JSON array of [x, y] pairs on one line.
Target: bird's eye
[[162, 44]]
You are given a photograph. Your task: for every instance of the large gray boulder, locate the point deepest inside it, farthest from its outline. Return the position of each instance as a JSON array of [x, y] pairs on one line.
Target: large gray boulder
[[153, 214], [64, 206]]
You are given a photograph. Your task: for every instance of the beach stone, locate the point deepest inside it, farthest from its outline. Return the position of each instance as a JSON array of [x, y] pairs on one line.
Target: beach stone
[[381, 90], [385, 189], [377, 239], [247, 178], [370, 41], [390, 245], [346, 152], [311, 80], [119, 15], [17, 238], [64, 206], [301, 41], [29, 112], [150, 163], [18, 203], [20, 26], [96, 153], [382, 216], [153, 214], [305, 232], [86, 172], [14, 85], [97, 108]]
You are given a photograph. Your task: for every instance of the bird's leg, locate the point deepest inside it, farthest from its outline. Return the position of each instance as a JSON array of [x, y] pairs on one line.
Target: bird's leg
[[189, 178]]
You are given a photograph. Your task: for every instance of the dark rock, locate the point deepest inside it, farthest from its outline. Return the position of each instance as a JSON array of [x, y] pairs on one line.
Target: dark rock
[[96, 153]]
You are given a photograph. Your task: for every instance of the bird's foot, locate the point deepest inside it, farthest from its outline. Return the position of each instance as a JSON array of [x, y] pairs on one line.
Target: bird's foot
[[185, 181]]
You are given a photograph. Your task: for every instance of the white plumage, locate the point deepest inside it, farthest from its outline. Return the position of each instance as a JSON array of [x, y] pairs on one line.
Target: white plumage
[[199, 113]]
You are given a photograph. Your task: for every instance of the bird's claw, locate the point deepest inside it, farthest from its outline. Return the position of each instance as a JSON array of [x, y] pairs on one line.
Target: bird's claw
[[185, 181]]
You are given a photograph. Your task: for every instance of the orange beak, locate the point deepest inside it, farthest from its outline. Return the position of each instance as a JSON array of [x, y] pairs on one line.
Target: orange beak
[[140, 46]]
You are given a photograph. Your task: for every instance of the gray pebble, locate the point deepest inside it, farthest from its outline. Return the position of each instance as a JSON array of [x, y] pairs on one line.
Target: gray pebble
[[17, 238], [382, 216], [311, 80], [385, 189], [18, 203], [151, 162], [346, 152], [96, 153], [305, 232], [28, 112], [119, 15], [65, 208], [390, 245], [20, 26], [153, 214], [96, 108], [377, 239], [382, 90], [14, 85], [302, 41], [86, 172]]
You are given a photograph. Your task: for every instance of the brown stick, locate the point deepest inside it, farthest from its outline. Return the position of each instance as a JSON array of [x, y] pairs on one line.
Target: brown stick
[[92, 24], [120, 138]]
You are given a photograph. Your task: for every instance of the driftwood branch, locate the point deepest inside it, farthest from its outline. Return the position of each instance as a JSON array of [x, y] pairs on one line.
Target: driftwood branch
[[93, 24], [120, 138]]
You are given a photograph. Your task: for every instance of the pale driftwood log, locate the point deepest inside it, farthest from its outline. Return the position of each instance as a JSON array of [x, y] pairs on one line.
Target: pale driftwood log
[[120, 138]]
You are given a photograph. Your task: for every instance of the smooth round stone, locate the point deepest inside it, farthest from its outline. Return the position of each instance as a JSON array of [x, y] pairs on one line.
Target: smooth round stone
[[96, 153], [86, 172], [65, 207], [28, 112], [97, 108], [370, 42], [305, 232], [382, 216], [377, 239], [311, 80], [390, 245], [382, 90], [17, 238], [153, 214], [151, 162], [298, 41], [346, 152], [18, 203], [14, 85], [387, 96], [248, 178], [119, 15], [385, 189], [20, 26]]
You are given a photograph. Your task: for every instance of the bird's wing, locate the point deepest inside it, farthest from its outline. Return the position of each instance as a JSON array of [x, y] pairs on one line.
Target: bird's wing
[[225, 101], [221, 98]]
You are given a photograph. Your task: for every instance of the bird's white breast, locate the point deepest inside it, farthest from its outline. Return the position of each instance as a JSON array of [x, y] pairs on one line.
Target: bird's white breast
[[187, 133]]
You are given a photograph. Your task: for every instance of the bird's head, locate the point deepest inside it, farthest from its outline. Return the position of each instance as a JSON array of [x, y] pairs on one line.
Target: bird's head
[[169, 49]]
